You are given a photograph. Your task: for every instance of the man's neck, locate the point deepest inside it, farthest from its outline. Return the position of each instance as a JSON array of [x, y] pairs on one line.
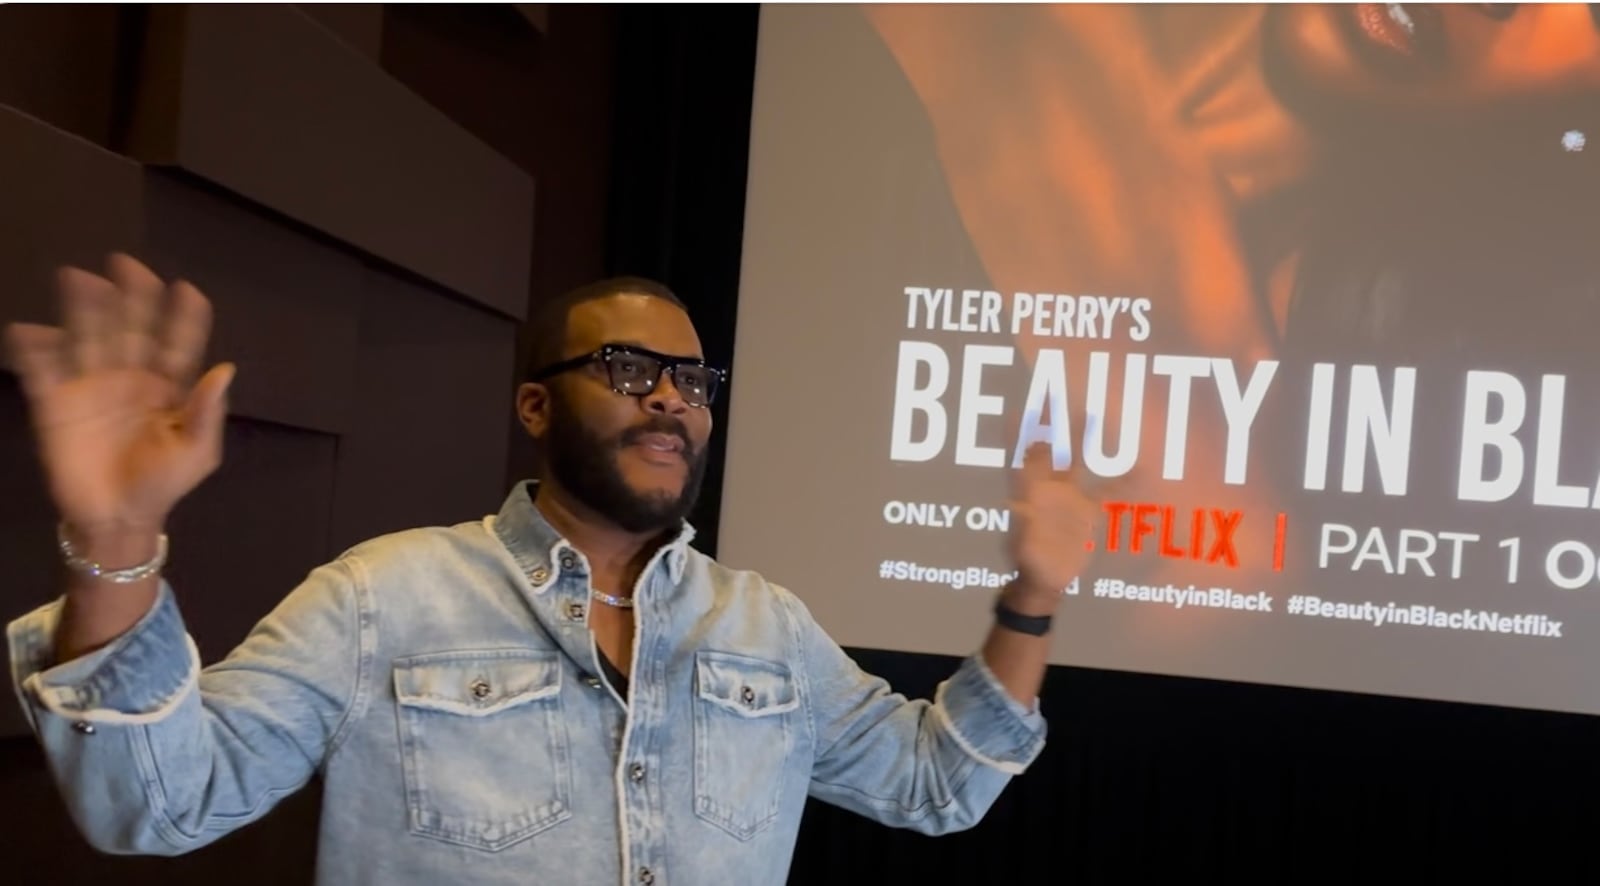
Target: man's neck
[[616, 557]]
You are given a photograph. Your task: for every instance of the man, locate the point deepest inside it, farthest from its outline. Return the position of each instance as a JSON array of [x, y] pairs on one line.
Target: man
[[565, 692]]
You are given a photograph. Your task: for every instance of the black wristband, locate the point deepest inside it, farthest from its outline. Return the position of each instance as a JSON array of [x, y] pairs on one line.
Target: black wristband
[[1006, 617]]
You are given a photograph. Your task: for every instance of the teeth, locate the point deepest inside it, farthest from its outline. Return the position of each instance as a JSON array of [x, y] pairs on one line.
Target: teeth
[[1398, 14]]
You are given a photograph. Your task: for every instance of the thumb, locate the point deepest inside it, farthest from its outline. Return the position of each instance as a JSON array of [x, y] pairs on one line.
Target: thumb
[[207, 408]]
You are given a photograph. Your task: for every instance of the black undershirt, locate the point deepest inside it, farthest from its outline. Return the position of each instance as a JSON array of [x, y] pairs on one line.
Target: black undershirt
[[614, 674]]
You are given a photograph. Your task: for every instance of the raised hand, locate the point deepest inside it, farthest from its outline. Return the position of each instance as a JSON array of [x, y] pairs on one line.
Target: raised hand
[[124, 428], [1053, 517], [1052, 524]]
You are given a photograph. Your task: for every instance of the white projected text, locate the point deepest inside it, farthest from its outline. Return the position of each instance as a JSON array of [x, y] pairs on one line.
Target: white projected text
[[1061, 316], [923, 383], [947, 403]]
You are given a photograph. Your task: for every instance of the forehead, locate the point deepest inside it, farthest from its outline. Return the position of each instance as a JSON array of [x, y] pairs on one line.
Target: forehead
[[642, 320]]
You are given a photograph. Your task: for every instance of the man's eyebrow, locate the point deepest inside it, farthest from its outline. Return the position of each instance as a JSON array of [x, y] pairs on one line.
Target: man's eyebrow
[[634, 343]]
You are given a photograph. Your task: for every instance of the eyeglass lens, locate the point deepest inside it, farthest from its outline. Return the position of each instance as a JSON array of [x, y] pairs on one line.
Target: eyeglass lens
[[637, 374]]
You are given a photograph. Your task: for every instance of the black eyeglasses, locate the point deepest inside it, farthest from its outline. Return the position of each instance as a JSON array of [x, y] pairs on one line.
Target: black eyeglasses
[[635, 371]]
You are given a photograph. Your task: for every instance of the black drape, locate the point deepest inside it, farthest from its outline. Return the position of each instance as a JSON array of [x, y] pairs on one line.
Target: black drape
[[680, 146], [1144, 777]]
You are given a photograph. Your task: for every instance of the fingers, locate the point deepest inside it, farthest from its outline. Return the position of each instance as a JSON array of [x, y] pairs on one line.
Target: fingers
[[141, 300], [1038, 465], [89, 306], [110, 321], [38, 355], [185, 328], [1038, 468]]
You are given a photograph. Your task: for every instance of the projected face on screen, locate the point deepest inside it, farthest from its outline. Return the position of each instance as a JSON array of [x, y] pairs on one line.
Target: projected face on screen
[[1435, 56], [1448, 178], [1349, 145], [1316, 283]]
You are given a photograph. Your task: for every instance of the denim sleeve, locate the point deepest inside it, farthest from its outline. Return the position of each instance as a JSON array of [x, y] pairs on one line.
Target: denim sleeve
[[155, 756], [934, 767]]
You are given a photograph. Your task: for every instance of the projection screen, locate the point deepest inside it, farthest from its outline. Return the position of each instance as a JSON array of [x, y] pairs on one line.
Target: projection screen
[[1310, 290]]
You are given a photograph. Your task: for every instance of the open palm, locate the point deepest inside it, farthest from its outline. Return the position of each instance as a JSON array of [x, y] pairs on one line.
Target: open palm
[[124, 429]]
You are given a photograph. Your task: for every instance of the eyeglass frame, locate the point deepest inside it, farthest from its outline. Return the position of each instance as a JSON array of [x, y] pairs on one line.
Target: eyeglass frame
[[669, 366]]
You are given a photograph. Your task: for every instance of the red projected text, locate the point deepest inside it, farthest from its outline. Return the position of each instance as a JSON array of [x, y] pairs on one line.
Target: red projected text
[[1204, 534]]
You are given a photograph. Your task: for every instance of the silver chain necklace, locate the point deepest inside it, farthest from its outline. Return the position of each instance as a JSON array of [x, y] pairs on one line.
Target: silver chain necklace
[[619, 602]]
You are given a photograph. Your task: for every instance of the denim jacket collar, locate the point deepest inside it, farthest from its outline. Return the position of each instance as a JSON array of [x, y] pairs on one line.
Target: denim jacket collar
[[545, 556]]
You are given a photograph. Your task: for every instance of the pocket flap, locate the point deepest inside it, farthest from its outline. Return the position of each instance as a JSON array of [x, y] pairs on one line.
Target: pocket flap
[[477, 683], [749, 687]]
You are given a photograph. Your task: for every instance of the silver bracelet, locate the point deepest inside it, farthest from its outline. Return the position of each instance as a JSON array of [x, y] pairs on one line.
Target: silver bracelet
[[120, 576]]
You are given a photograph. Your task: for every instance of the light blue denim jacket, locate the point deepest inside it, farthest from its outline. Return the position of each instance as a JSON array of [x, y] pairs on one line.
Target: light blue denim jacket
[[444, 684]]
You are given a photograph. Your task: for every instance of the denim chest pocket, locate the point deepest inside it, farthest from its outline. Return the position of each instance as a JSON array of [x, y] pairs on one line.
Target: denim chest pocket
[[744, 735], [483, 745]]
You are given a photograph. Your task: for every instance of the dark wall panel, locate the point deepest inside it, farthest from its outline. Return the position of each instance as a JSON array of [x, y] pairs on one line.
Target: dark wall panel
[[422, 449], [268, 103], [250, 533], [65, 200], [360, 25], [288, 305], [59, 63], [43, 847], [476, 61]]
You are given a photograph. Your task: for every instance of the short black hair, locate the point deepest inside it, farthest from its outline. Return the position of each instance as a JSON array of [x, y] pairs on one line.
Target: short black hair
[[546, 332]]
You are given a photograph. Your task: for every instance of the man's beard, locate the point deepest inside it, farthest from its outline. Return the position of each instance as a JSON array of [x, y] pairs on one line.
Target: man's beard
[[586, 467]]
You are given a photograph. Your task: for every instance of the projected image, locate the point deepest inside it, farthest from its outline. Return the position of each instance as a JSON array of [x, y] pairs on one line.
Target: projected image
[[1315, 285]]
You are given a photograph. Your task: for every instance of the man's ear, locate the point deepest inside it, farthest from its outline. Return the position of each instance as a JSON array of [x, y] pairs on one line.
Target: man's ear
[[533, 408]]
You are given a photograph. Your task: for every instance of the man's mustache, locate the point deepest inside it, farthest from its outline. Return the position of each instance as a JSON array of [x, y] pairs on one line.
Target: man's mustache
[[660, 424]]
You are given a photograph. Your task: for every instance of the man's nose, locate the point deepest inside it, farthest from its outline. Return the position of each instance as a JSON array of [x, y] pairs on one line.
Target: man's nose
[[666, 398]]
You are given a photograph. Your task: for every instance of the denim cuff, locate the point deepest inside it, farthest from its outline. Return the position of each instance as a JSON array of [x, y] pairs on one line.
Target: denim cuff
[[986, 722], [137, 678]]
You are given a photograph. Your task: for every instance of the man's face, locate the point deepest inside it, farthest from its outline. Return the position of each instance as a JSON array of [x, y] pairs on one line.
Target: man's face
[[637, 461]]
